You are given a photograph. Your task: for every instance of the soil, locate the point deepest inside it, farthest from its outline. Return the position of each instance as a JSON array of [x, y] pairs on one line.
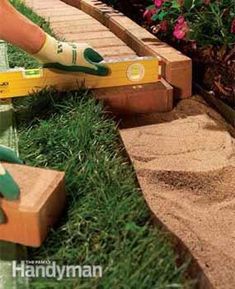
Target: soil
[[185, 164]]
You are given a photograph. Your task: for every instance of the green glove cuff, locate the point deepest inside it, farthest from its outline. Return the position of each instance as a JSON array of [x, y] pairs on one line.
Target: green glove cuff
[[8, 187], [8, 155]]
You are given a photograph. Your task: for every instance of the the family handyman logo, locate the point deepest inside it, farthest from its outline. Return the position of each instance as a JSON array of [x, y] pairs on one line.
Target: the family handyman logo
[[34, 269]]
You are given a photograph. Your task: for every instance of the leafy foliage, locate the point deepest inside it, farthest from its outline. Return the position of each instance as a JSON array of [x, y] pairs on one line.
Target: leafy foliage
[[209, 22], [204, 30]]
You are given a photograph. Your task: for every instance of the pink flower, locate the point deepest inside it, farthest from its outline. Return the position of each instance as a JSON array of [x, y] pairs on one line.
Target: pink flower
[[158, 3], [181, 28], [233, 26], [148, 14], [164, 25], [207, 2], [181, 20]]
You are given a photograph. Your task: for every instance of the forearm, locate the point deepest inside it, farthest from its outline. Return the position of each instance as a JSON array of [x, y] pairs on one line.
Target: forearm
[[18, 30]]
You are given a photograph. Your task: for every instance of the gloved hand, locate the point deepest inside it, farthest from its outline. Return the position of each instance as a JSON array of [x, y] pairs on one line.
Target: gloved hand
[[72, 57], [8, 187]]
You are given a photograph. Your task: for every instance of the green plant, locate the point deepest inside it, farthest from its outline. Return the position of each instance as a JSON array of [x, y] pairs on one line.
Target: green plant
[[202, 22], [204, 30]]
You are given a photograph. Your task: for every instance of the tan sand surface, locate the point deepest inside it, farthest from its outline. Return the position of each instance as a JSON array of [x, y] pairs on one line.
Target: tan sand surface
[[185, 163]]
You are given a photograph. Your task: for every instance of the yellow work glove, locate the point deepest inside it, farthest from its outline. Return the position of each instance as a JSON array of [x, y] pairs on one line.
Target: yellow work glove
[[74, 57]]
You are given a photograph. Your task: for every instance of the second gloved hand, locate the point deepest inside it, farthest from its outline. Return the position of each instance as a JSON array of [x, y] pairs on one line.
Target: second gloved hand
[[74, 57], [8, 187]]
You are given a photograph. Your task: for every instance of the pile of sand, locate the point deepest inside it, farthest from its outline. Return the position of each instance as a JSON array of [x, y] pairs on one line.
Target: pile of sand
[[185, 163]]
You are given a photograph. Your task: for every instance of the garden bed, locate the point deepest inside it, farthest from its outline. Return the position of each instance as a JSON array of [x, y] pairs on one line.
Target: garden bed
[[208, 38], [203, 30]]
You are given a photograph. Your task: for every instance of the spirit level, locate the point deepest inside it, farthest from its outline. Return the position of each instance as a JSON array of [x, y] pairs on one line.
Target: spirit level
[[20, 82]]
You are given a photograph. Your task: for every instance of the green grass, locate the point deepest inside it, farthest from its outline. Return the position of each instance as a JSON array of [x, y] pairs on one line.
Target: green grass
[[106, 220]]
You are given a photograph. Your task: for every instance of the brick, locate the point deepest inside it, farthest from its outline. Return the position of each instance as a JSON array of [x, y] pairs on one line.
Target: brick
[[120, 51], [88, 35], [74, 3], [74, 29], [111, 47], [60, 12], [93, 10], [118, 23], [106, 43], [55, 19], [44, 5], [41, 202], [148, 98], [79, 22], [96, 43]]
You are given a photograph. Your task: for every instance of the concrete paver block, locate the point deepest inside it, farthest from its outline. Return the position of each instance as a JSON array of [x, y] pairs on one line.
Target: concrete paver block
[[156, 97], [41, 202]]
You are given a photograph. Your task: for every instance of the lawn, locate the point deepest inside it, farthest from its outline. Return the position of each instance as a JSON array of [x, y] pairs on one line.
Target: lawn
[[106, 221]]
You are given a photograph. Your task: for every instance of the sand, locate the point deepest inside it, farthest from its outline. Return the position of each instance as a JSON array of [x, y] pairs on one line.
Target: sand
[[185, 164]]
